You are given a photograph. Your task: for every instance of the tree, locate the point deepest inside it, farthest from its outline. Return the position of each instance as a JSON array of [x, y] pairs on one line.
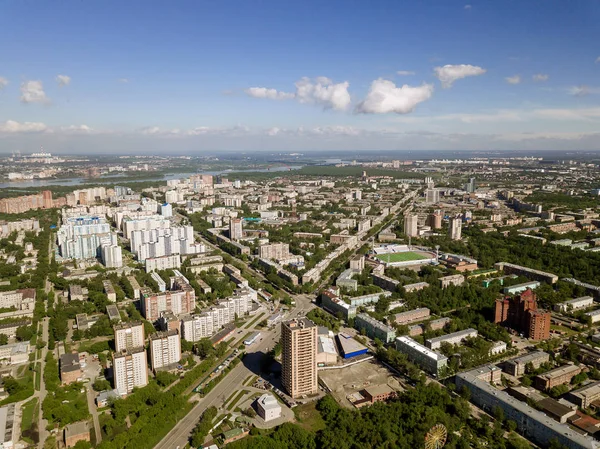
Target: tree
[[24, 333], [3, 339]]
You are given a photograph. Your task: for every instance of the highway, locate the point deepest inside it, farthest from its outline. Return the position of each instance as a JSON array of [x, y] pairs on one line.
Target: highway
[[180, 434]]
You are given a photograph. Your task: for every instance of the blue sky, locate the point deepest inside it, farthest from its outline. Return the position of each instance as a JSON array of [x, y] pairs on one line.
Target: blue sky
[[250, 75]]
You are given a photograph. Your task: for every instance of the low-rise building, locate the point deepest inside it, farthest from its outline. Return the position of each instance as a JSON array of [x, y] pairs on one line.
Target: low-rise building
[[454, 279], [70, 368], [520, 288], [412, 316], [594, 315], [516, 366], [268, 407], [454, 338], [425, 358], [556, 376], [378, 393], [585, 396], [575, 304], [78, 431], [349, 347], [109, 290], [415, 287], [374, 329]]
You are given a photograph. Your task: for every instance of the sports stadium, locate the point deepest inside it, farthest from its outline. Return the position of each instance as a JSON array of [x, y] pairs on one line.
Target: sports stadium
[[403, 255]]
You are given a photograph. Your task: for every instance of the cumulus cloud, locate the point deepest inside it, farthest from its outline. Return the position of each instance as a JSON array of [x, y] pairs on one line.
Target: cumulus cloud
[[321, 91], [540, 77], [271, 94], [385, 97], [33, 92], [123, 80], [582, 90], [3, 83], [405, 72], [83, 129], [63, 80], [513, 79], [273, 131], [450, 73], [13, 127], [467, 7]]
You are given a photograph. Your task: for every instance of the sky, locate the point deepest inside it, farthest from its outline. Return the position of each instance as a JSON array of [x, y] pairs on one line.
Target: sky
[[203, 77]]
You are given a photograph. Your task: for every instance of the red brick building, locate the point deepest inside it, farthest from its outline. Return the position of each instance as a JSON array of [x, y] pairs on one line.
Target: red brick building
[[522, 314]]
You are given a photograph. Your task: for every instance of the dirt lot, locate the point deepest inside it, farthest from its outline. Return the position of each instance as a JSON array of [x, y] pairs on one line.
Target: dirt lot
[[345, 381]]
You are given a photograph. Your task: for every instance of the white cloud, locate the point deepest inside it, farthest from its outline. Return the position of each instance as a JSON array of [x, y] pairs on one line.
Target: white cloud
[[12, 127], [83, 129], [63, 80], [540, 77], [271, 94], [450, 73], [273, 131], [513, 79], [3, 83], [467, 7], [598, 60], [123, 80], [33, 92], [405, 72], [582, 90], [321, 91], [385, 97]]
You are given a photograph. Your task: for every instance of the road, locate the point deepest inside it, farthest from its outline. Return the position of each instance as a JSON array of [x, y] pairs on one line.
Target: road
[[42, 423], [180, 434], [94, 411]]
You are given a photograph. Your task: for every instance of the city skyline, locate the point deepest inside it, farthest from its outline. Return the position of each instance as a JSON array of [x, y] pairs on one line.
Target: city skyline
[[144, 77]]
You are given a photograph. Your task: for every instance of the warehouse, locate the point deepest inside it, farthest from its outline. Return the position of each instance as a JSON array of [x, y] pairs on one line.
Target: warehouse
[[349, 347]]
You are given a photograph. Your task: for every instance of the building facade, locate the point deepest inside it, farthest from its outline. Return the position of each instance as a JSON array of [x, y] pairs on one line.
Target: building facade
[[299, 357]]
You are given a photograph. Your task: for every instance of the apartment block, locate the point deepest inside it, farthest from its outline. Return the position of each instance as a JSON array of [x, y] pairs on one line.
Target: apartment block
[[574, 304], [299, 357], [163, 263], [454, 338], [412, 316], [516, 366], [165, 349], [130, 369], [129, 336], [374, 329], [585, 396], [428, 360], [180, 301], [557, 376]]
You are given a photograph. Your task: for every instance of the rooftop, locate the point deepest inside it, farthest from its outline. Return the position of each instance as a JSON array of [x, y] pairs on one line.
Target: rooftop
[[422, 349]]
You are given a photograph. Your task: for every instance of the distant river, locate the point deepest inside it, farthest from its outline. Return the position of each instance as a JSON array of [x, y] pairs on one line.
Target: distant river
[[114, 179]]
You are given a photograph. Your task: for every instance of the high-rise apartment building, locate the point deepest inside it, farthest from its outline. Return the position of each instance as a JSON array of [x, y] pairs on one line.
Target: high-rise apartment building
[[521, 313], [130, 370], [165, 349], [112, 256], [129, 336], [455, 228], [235, 229], [410, 225], [299, 357], [432, 196], [434, 220], [471, 186], [22, 204], [182, 300]]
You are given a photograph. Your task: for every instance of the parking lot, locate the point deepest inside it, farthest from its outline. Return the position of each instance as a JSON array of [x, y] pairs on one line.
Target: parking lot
[[345, 381]]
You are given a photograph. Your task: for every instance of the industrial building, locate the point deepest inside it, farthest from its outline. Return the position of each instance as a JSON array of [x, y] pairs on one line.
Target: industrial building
[[425, 358]]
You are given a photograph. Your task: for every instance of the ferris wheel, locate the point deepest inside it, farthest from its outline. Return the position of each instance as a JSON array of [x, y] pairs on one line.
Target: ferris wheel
[[436, 437]]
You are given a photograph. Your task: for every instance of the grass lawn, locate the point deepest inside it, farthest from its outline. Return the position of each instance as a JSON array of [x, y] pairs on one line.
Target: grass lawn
[[400, 257], [28, 410], [235, 400], [309, 417], [251, 323]]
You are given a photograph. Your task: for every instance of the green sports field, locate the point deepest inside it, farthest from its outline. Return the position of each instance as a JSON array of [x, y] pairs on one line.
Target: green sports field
[[400, 257]]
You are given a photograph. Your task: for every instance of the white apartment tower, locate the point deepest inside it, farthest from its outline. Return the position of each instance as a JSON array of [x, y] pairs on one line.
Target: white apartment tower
[[129, 336], [455, 228], [130, 370], [235, 229], [165, 349], [410, 225]]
